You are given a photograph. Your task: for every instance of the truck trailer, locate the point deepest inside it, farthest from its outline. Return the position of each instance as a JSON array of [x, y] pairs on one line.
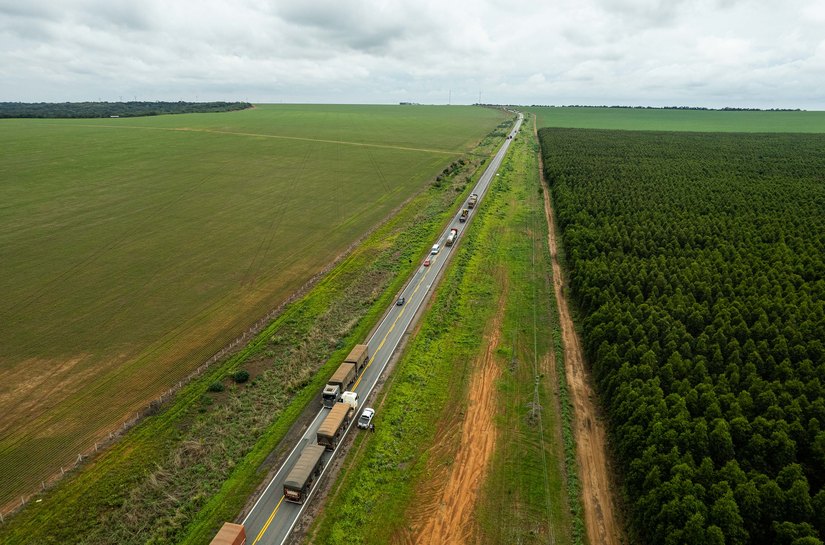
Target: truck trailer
[[332, 428], [230, 534], [358, 356], [298, 483], [345, 375], [471, 203], [464, 214], [342, 379]]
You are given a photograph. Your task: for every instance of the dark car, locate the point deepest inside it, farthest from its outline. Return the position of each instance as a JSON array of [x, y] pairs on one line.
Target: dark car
[[400, 301]]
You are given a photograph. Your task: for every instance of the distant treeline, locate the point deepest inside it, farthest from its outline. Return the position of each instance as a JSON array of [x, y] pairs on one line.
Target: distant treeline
[[725, 109], [113, 109]]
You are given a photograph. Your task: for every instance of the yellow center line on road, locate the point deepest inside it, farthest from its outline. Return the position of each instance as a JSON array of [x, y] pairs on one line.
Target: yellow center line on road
[[375, 354], [423, 277], [268, 522]]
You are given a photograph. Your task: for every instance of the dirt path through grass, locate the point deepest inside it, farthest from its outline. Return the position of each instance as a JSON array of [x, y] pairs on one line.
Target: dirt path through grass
[[591, 441], [451, 521]]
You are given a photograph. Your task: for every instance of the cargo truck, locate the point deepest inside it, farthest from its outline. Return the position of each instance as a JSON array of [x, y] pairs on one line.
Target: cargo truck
[[451, 237], [340, 381], [230, 534], [345, 375], [298, 483], [332, 428], [358, 356], [473, 200], [464, 214]]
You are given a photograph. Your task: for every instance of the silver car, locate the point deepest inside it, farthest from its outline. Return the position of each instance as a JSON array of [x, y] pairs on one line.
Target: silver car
[[366, 418]]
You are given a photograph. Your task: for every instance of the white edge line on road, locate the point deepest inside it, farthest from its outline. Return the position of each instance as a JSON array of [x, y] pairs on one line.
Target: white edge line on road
[[492, 168]]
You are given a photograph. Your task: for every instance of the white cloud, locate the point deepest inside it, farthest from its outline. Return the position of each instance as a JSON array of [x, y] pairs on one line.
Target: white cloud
[[765, 53]]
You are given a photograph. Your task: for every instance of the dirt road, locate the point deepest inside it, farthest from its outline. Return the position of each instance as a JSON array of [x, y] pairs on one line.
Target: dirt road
[[600, 512]]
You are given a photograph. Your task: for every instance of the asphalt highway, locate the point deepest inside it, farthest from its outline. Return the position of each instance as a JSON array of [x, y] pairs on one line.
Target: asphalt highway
[[272, 518]]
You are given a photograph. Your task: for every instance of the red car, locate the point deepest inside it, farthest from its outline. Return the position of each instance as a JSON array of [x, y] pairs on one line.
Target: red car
[[427, 262]]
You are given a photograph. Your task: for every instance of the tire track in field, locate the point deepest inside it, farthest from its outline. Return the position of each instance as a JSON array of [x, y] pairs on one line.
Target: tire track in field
[[258, 135], [163, 344], [276, 221], [77, 268], [82, 398], [50, 419], [148, 218]]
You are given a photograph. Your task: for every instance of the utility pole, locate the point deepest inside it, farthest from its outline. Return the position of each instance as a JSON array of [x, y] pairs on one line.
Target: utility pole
[[450, 98]]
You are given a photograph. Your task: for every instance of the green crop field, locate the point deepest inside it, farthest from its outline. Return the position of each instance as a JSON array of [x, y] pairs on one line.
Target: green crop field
[[133, 249], [679, 120]]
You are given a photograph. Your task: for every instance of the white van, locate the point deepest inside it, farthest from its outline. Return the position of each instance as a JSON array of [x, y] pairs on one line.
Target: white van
[[435, 249]]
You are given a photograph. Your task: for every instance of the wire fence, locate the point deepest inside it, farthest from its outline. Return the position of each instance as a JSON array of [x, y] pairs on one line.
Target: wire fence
[[12, 504]]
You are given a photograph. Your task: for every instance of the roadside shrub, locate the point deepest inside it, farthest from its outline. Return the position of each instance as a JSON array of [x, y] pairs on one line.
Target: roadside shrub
[[216, 386], [240, 376]]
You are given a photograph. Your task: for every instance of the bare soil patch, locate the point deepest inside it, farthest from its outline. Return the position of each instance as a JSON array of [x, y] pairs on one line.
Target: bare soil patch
[[444, 513], [600, 511]]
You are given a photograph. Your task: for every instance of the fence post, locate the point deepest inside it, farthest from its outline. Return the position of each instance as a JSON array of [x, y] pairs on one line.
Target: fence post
[[79, 459], [61, 471]]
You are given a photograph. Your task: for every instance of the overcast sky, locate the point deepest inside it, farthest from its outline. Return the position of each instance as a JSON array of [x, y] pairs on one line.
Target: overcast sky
[[748, 53]]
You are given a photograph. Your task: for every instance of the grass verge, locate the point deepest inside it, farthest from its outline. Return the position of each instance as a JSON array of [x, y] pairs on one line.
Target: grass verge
[[393, 473], [526, 496]]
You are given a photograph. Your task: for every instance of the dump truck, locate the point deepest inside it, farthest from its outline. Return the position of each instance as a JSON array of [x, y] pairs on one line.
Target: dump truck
[[451, 237], [464, 214], [230, 534], [346, 374], [332, 428], [471, 203], [340, 381], [358, 356], [298, 483]]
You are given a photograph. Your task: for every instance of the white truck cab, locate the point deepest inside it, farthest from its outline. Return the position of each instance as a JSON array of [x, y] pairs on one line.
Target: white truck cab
[[351, 399]]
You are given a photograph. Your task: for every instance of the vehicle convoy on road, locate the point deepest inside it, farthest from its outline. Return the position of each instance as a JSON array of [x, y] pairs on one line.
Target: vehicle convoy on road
[[270, 519], [334, 425], [471, 203], [451, 237], [345, 375], [230, 534], [299, 482]]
